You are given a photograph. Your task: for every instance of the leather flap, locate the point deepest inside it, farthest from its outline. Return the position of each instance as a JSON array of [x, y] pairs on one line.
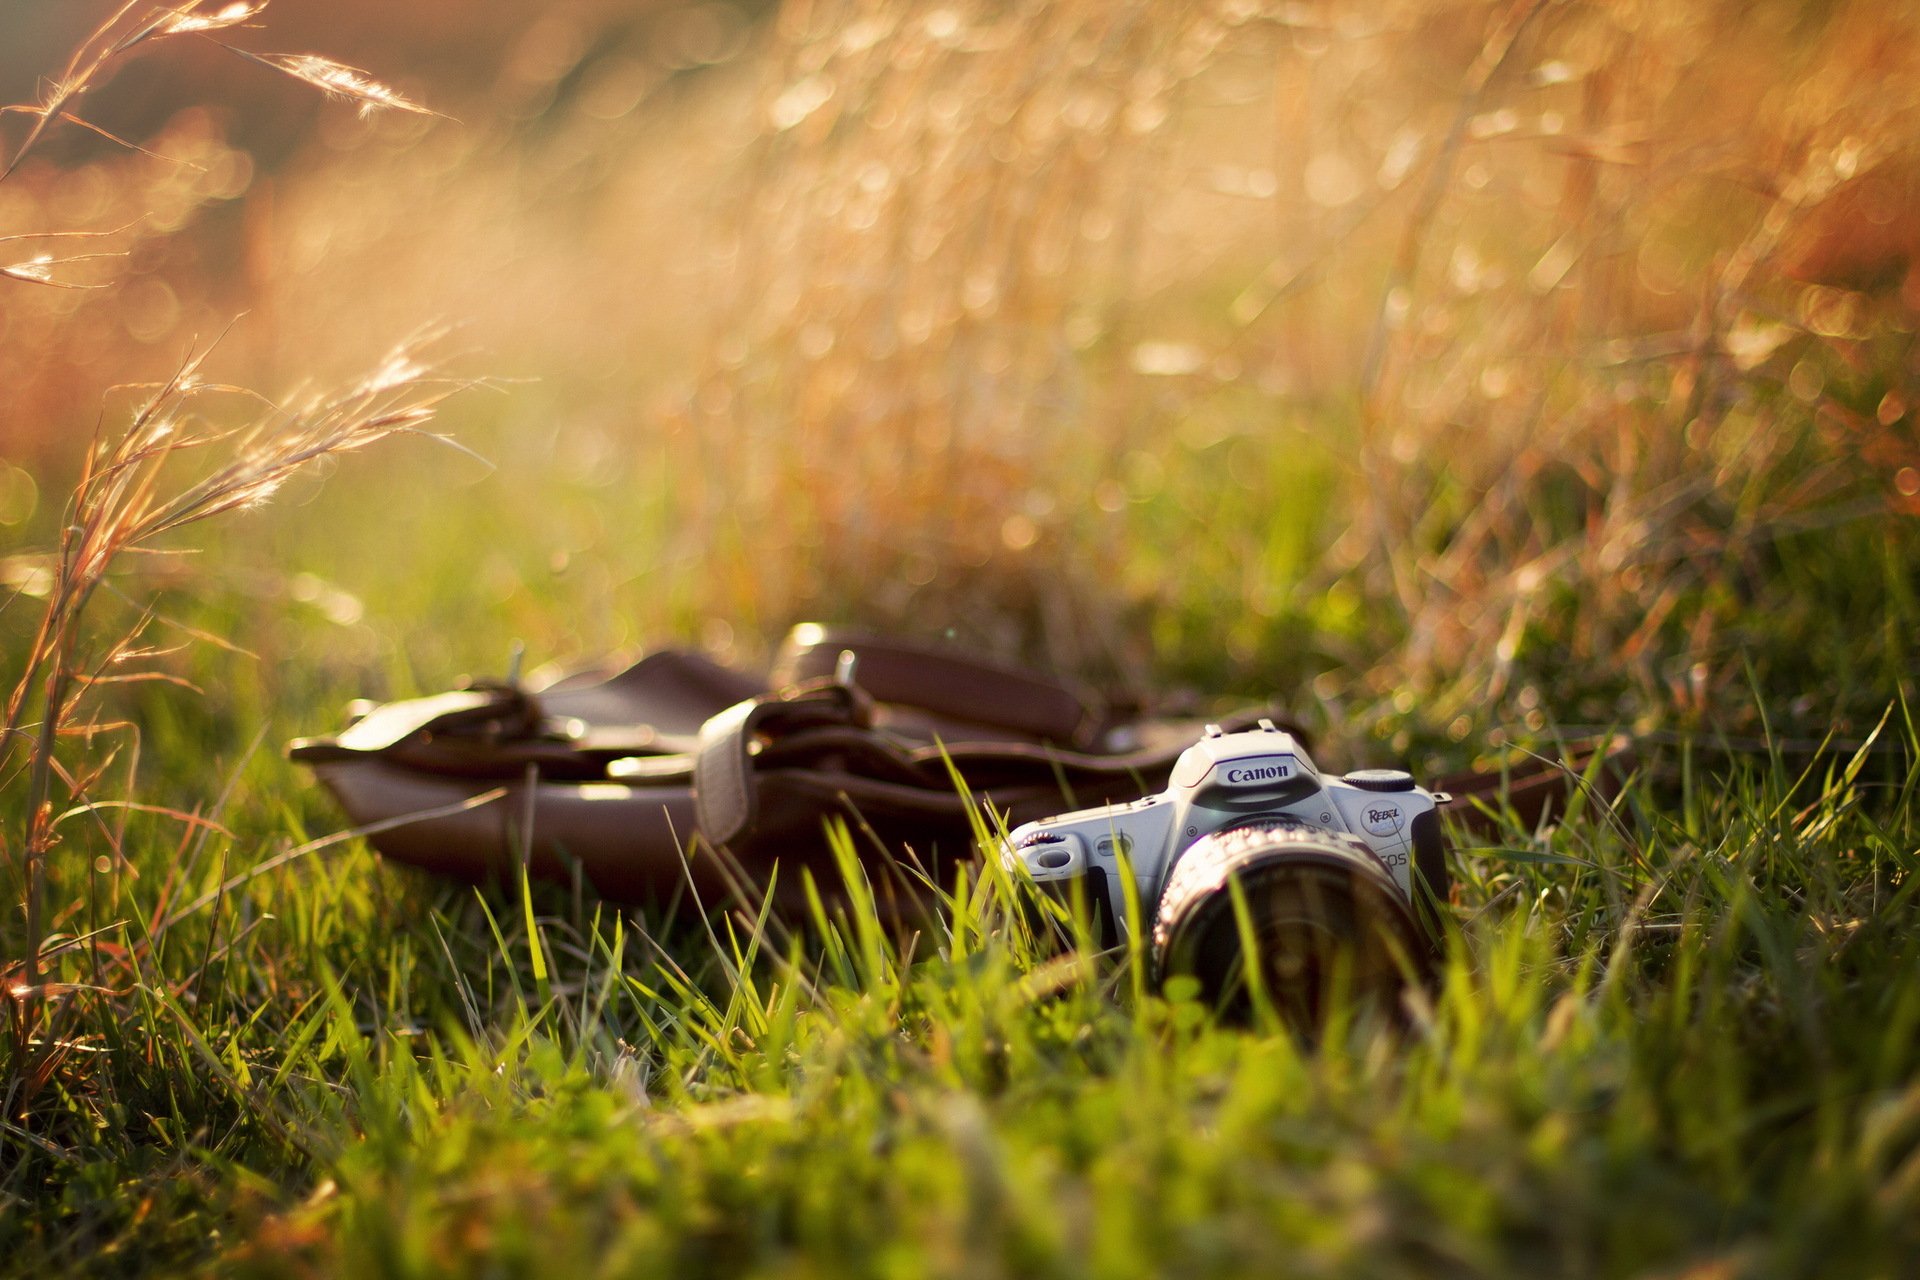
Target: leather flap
[[393, 723]]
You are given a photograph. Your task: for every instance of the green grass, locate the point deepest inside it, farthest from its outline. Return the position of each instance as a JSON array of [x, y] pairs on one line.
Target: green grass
[[1682, 1033]]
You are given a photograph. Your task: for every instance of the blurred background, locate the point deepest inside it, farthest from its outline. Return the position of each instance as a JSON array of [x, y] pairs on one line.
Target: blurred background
[[1453, 364]]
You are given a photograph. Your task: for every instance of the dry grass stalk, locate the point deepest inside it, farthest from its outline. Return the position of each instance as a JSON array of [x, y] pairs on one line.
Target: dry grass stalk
[[132, 494], [129, 498], [131, 28], [137, 23]]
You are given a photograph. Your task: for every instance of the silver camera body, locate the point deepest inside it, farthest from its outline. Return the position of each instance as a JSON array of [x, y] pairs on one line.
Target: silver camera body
[[1376, 827]]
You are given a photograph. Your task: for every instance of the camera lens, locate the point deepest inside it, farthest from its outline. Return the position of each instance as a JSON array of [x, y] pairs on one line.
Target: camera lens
[[1328, 924]]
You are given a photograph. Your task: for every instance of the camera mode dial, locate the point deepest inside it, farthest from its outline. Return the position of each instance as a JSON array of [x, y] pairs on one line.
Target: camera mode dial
[[1380, 780]]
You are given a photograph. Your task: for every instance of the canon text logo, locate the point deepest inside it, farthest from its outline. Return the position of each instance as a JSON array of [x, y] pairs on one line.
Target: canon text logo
[[1259, 773]]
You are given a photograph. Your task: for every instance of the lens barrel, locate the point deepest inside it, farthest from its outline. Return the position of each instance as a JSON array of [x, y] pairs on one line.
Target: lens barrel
[[1328, 924]]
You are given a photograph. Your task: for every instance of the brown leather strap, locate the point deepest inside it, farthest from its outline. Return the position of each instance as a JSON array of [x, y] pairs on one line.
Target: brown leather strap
[[724, 791], [961, 687], [723, 772]]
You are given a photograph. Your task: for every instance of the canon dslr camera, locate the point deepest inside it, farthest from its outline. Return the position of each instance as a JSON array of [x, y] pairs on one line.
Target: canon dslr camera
[[1340, 876]]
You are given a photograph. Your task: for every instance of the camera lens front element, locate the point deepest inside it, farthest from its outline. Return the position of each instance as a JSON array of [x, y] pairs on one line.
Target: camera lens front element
[[1328, 924]]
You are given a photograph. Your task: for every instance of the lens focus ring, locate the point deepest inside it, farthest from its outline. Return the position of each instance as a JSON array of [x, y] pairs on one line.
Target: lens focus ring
[[1327, 920]]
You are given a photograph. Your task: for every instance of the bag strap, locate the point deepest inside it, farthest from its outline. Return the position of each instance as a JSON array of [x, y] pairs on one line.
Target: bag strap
[[958, 687], [723, 773]]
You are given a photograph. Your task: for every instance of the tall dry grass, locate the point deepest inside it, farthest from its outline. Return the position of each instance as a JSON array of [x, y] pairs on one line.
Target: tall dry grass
[[1561, 317], [104, 226], [1576, 296], [1545, 324], [193, 449]]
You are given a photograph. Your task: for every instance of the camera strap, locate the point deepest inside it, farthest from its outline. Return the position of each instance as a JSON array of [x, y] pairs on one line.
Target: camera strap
[[676, 771]]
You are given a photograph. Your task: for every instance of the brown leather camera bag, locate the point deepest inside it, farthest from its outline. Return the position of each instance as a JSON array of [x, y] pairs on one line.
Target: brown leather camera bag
[[677, 772]]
